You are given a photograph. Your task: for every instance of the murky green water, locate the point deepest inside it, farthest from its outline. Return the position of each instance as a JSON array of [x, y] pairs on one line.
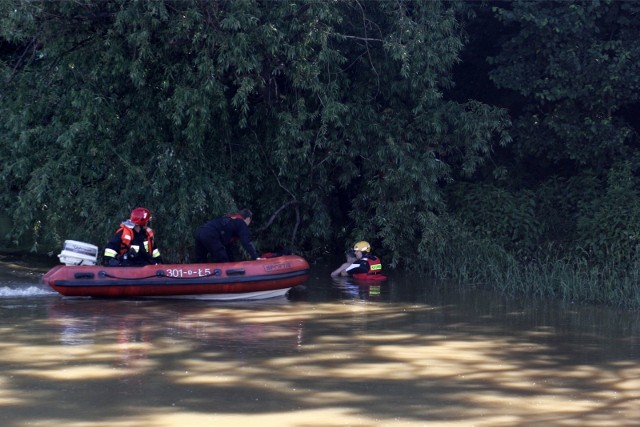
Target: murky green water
[[405, 353]]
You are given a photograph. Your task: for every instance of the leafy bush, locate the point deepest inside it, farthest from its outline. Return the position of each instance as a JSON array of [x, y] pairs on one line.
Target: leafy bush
[[496, 214], [608, 227]]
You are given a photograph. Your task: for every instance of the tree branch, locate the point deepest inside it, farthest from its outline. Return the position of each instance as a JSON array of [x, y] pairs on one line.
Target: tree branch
[[276, 213], [20, 60]]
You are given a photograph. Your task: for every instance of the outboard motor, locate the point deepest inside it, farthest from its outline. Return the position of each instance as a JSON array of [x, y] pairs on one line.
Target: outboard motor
[[78, 253]]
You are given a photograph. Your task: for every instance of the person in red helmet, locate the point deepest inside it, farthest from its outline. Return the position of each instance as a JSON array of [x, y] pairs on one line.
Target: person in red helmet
[[133, 243]]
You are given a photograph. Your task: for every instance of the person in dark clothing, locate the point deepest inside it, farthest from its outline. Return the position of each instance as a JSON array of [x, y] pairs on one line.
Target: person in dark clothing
[[133, 243], [216, 237], [350, 259]]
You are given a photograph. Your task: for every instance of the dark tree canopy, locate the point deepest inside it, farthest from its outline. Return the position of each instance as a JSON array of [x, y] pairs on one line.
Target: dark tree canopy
[[577, 64], [326, 118], [333, 121]]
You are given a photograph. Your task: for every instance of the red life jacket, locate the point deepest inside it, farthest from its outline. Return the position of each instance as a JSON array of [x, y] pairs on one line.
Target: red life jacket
[[366, 277], [375, 266], [374, 273], [127, 238]]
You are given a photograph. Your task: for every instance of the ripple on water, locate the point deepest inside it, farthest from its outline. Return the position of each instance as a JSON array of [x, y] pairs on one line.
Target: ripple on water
[[21, 290]]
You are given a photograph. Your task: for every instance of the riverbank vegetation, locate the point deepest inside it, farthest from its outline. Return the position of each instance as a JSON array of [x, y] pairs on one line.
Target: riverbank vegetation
[[495, 143]]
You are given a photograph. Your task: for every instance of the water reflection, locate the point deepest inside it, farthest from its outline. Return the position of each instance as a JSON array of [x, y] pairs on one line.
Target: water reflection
[[348, 288], [402, 353]]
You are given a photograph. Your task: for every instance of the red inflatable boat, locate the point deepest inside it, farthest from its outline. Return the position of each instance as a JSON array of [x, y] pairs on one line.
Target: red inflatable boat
[[264, 278]]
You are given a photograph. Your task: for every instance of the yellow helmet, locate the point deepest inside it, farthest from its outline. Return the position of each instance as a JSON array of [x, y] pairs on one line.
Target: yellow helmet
[[362, 246]]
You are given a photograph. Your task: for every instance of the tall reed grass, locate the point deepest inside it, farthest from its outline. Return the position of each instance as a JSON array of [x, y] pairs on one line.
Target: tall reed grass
[[482, 263]]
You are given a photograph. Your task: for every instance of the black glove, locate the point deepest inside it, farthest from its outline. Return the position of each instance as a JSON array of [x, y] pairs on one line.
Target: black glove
[[110, 262]]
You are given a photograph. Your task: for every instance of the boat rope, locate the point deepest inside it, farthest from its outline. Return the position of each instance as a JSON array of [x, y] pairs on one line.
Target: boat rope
[[159, 273]]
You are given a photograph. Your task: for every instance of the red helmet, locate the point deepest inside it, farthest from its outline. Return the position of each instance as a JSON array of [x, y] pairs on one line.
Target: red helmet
[[140, 216]]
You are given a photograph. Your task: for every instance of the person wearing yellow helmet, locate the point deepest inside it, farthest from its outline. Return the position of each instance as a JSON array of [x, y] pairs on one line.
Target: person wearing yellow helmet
[[364, 264]]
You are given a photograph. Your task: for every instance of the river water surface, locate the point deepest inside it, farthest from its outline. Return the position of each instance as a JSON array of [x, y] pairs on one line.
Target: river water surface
[[406, 353]]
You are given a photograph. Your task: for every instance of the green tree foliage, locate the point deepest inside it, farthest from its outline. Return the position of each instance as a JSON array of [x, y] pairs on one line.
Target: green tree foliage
[[609, 226], [326, 118], [493, 213], [577, 67]]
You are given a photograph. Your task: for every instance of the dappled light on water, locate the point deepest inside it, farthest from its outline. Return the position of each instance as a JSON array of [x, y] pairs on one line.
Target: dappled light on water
[[89, 363], [333, 354]]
